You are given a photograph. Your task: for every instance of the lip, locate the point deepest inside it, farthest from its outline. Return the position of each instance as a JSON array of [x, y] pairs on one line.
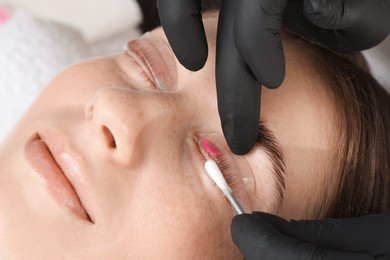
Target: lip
[[57, 171], [156, 61]]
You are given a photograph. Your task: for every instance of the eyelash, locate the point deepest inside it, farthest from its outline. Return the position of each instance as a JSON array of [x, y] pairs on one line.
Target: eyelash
[[144, 69], [229, 171], [145, 75], [147, 79], [228, 168]]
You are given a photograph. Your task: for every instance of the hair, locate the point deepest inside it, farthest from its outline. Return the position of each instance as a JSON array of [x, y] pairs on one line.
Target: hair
[[360, 174], [363, 152], [363, 142]]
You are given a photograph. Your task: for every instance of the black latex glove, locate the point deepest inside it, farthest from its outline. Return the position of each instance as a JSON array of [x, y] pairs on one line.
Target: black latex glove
[[250, 52], [264, 236]]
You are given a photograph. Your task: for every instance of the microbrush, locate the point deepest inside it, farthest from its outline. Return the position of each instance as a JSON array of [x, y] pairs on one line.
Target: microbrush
[[215, 173]]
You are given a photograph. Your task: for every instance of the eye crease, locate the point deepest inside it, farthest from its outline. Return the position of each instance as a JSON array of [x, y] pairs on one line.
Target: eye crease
[[153, 63], [141, 68]]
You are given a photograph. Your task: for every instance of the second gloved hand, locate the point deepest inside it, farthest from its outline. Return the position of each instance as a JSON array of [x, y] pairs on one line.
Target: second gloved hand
[[265, 236]]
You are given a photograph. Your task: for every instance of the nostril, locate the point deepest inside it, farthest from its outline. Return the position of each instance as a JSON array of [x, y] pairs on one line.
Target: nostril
[[109, 137]]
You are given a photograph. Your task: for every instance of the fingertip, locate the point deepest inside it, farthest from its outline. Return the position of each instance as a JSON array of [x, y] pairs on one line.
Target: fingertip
[[240, 145], [324, 13], [315, 7], [266, 63], [241, 136], [241, 224], [192, 60], [240, 149], [192, 50], [274, 80], [240, 129], [237, 219], [183, 27]]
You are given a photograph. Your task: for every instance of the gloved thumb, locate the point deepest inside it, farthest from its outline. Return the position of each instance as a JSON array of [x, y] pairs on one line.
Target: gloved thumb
[[367, 234], [256, 239]]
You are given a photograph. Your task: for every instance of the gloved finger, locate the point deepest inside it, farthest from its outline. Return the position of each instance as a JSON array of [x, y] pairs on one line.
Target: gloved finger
[[368, 234], [297, 23], [342, 33], [183, 26], [238, 92], [256, 29], [363, 23], [257, 239]]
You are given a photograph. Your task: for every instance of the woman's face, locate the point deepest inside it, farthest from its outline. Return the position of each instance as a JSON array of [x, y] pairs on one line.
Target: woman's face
[[108, 162]]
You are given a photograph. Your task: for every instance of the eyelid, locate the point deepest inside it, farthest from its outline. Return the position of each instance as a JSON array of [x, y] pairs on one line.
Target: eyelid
[[156, 65], [138, 72], [230, 171]]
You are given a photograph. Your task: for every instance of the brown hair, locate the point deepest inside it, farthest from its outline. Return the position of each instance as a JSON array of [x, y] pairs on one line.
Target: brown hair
[[364, 143], [360, 174]]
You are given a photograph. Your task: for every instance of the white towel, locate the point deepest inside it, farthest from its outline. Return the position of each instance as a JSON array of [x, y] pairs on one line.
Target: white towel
[[33, 51], [379, 60], [95, 19]]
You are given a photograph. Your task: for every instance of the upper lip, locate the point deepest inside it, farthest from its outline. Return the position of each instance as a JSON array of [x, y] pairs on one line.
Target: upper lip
[[69, 163]]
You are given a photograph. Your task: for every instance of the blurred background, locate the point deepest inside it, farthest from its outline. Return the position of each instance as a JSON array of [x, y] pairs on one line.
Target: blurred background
[[39, 38]]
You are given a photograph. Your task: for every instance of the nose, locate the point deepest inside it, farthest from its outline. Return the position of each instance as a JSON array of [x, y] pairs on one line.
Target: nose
[[124, 123]]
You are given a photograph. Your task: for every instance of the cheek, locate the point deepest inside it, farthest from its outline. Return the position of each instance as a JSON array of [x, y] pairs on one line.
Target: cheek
[[157, 213]]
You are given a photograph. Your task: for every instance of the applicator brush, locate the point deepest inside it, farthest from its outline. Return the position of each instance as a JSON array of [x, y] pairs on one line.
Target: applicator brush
[[215, 173]]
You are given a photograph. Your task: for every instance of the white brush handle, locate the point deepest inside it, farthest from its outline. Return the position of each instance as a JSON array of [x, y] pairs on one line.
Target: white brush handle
[[215, 173], [236, 206]]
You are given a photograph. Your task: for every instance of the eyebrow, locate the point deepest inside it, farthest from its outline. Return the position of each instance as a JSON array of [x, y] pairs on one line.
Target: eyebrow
[[267, 140]]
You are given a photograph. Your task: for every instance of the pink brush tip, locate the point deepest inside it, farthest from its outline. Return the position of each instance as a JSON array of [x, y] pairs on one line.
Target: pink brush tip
[[210, 149]]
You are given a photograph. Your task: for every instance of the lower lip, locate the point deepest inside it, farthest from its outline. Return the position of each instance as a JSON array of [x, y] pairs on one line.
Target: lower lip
[[51, 176]]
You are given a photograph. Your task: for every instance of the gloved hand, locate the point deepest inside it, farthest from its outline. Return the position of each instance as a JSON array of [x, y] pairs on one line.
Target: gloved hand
[[249, 48], [265, 236]]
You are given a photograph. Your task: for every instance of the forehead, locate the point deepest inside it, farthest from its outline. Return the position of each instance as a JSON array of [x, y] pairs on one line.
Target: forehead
[[302, 110], [301, 114]]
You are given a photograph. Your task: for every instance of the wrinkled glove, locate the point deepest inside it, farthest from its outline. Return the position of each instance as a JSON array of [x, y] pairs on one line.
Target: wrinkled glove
[[249, 48], [265, 236]]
